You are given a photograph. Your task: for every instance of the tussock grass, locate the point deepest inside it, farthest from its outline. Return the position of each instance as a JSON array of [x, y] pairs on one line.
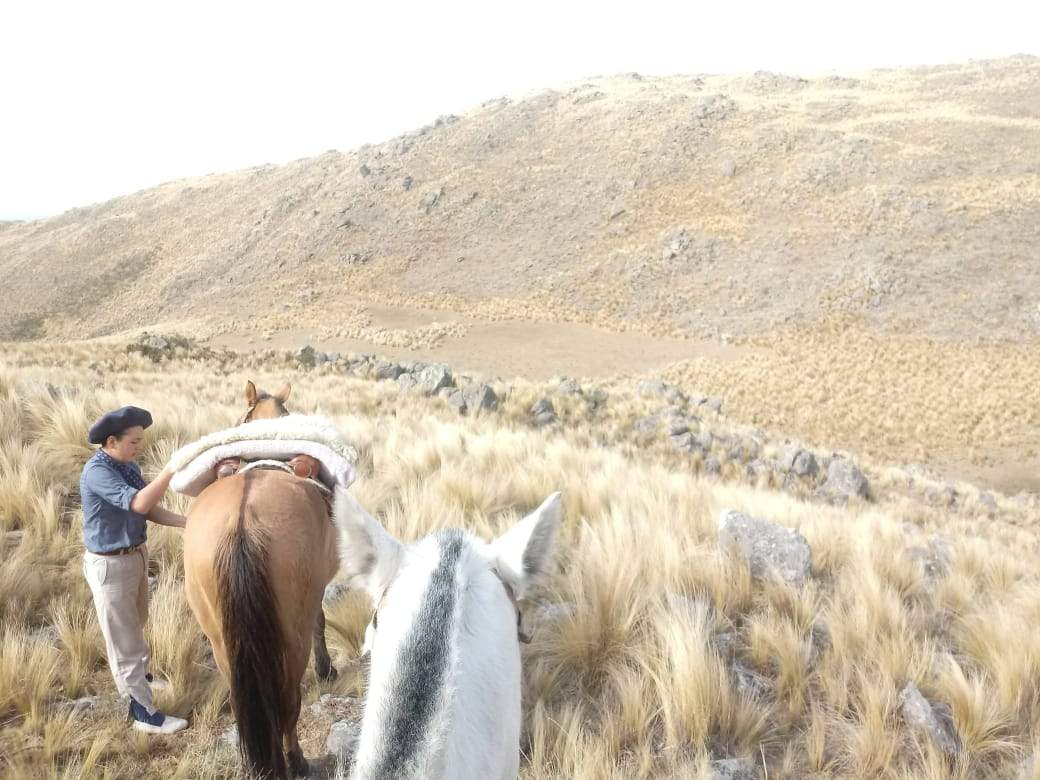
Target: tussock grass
[[644, 635]]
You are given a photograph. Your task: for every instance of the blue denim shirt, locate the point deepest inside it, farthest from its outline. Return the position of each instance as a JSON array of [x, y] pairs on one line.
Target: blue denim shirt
[[108, 521]]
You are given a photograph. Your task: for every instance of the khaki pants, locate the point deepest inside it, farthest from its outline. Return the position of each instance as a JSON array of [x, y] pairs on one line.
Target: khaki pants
[[120, 587]]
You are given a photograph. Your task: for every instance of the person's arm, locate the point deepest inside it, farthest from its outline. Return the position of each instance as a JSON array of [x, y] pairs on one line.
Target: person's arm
[[161, 516], [149, 496]]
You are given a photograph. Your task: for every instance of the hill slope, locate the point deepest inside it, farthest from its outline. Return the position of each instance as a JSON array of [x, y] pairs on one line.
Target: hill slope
[[691, 204]]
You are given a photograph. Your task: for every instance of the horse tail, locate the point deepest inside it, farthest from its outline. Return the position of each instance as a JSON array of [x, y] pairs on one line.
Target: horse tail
[[256, 649]]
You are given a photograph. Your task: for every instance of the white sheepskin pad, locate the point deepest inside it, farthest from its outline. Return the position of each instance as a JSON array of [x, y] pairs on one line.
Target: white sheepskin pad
[[280, 438]]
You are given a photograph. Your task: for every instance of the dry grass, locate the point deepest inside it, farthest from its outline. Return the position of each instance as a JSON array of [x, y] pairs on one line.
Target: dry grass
[[641, 636]]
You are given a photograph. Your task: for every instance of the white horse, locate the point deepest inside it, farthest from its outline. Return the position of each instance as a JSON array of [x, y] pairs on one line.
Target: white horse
[[444, 687]]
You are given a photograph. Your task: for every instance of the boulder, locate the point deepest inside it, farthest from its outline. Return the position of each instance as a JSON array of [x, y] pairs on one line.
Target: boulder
[[767, 546]]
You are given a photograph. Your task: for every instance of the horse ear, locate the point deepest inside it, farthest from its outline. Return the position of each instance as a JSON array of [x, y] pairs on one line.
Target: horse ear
[[522, 553], [283, 394], [369, 556], [250, 393]]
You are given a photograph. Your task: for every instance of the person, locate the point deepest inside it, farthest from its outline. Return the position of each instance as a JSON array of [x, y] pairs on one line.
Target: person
[[116, 504]]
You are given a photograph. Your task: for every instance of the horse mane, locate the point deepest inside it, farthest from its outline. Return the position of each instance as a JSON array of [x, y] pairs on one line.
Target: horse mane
[[256, 656], [422, 683]]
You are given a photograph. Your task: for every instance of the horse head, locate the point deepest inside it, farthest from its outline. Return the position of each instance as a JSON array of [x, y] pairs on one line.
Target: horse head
[[444, 689], [263, 405]]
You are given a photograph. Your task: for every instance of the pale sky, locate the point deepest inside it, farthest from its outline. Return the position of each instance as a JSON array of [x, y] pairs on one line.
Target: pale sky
[[101, 99]]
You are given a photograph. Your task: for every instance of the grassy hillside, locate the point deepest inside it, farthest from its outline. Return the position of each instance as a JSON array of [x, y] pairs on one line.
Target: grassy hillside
[[656, 651]]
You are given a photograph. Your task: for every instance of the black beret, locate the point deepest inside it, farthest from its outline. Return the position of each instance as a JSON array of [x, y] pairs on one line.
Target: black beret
[[115, 422]]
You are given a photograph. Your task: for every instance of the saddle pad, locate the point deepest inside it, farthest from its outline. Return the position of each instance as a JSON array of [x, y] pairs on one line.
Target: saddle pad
[[279, 438]]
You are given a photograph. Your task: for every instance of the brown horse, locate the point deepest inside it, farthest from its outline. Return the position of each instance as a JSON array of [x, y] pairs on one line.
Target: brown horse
[[259, 549]]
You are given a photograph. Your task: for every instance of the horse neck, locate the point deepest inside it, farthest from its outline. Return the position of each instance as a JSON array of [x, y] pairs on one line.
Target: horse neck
[[429, 677]]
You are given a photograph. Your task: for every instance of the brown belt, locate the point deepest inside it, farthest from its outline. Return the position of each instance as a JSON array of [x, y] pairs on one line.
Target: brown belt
[[122, 550]]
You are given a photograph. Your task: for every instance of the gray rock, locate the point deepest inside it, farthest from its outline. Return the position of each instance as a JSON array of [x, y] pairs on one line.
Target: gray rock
[[734, 769], [703, 440], [455, 399], [713, 405], [568, 387], [845, 481], [83, 705], [598, 396], [672, 412], [433, 378], [647, 425], [800, 462], [429, 200], [767, 546], [407, 182], [936, 720], [343, 738], [320, 358], [156, 342], [543, 412], [712, 466], [479, 398], [229, 736], [335, 707], [934, 559], [652, 387], [743, 450], [989, 503], [946, 498], [682, 442], [749, 683], [407, 382], [47, 635], [676, 426], [758, 469], [384, 369]]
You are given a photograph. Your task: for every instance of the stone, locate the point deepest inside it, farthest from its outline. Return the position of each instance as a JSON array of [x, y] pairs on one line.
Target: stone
[[454, 398], [407, 382], [156, 342], [703, 440], [543, 413], [676, 426], [343, 738], [749, 683], [682, 442], [568, 387], [433, 378], [934, 559], [652, 387], [988, 503], [479, 397], [713, 466], [429, 200], [384, 369], [83, 705], [734, 769], [845, 481], [800, 462], [646, 425], [935, 720], [229, 736], [713, 405], [767, 546]]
